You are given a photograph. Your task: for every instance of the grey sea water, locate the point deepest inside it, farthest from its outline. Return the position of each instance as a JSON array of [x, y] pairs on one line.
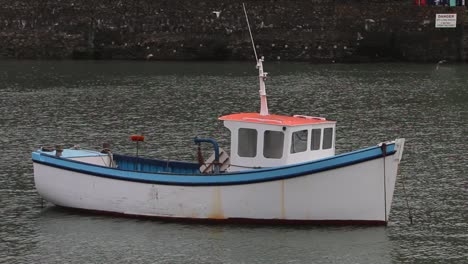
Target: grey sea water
[[88, 103]]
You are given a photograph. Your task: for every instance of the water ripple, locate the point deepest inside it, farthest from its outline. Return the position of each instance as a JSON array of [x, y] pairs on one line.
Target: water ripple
[[88, 103]]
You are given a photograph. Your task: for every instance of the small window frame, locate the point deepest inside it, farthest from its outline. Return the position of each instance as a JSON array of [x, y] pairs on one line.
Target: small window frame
[[246, 149], [299, 141], [327, 138], [315, 139], [271, 150]]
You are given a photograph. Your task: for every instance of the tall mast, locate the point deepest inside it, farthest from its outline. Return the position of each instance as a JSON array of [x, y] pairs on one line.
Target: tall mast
[[261, 75], [263, 96]]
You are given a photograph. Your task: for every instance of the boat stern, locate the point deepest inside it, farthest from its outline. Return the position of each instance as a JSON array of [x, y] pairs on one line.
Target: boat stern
[[81, 155]]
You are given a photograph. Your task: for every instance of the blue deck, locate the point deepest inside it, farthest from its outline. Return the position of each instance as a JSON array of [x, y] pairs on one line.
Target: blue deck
[[153, 165]]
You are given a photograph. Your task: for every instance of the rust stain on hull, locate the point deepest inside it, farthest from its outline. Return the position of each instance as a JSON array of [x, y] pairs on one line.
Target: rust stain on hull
[[283, 209], [217, 205]]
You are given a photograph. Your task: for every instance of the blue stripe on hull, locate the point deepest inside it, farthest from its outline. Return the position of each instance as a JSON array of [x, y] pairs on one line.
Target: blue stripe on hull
[[234, 178]]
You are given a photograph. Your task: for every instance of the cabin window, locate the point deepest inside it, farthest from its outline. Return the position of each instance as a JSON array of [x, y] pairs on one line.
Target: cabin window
[[273, 144], [299, 141], [247, 143], [315, 141], [327, 138]]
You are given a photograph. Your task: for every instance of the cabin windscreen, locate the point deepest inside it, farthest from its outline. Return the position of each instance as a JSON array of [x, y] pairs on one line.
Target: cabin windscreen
[[273, 142], [247, 143], [299, 141]]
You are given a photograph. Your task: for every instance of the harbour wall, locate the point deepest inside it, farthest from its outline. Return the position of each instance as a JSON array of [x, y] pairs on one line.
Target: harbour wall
[[298, 30]]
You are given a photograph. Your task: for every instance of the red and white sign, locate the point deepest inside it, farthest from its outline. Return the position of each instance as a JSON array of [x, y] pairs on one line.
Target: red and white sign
[[446, 21]]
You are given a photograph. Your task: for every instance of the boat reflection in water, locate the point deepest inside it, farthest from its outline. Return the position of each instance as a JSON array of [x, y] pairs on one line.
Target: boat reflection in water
[[90, 238]]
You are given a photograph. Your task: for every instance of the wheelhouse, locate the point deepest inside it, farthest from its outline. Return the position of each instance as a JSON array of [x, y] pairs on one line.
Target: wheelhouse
[[259, 141]]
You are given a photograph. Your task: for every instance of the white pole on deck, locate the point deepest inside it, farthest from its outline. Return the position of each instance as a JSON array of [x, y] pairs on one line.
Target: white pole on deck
[[263, 96], [261, 75]]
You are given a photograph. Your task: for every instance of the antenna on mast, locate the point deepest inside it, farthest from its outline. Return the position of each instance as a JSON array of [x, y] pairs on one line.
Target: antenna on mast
[[261, 75], [250, 32]]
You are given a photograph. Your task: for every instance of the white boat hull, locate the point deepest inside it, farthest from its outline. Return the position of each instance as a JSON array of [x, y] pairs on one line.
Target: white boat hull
[[357, 193]]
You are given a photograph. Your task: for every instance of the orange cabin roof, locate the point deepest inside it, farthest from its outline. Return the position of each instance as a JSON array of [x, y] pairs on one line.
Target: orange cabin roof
[[279, 120]]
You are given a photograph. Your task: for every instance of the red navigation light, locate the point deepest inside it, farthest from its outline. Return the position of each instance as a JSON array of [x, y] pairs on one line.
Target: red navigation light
[[137, 138]]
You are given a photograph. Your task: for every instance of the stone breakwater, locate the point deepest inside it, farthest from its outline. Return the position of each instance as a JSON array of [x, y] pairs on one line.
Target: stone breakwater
[[299, 30]]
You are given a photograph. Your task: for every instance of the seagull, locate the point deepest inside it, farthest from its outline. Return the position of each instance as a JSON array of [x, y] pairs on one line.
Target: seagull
[[439, 63], [217, 13]]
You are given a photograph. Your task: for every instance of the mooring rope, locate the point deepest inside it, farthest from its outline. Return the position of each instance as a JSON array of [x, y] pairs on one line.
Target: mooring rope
[[410, 214], [384, 154]]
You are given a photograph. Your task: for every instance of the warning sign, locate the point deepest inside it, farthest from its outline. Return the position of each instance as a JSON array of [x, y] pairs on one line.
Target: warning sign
[[446, 21]]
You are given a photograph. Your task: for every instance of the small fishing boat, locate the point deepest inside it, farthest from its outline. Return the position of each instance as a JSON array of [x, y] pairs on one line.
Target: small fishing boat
[[280, 169]]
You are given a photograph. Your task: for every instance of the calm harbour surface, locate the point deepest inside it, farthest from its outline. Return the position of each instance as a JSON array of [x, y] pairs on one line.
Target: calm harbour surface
[[45, 103]]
